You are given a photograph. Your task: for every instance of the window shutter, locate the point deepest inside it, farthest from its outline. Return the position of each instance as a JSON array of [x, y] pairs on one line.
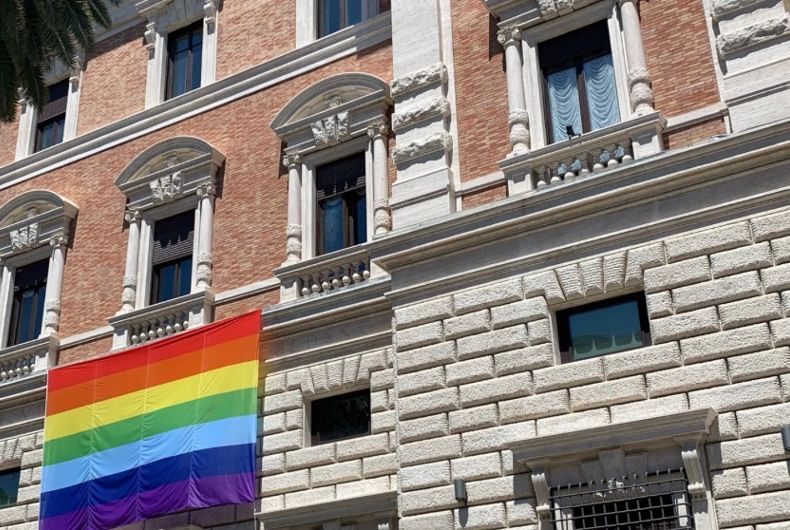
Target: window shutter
[[340, 176], [58, 97], [173, 237]]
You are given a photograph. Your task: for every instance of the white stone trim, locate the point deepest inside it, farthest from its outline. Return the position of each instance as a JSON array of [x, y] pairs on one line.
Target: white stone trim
[[164, 17]]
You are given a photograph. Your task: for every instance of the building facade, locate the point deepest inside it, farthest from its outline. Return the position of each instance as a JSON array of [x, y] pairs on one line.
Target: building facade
[[521, 263]]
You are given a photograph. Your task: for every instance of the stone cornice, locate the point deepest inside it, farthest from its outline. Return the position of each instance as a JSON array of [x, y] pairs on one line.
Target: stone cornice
[[314, 513]]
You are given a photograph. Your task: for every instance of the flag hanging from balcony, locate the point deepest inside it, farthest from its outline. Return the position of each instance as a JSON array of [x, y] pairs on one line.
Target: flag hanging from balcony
[[153, 430]]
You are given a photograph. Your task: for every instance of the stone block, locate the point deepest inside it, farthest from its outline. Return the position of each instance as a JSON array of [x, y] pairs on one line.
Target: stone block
[[470, 371], [614, 271], [424, 476], [310, 456], [692, 377], [780, 248], [640, 259], [274, 384], [336, 473], [422, 428], [738, 396], [383, 421], [427, 500], [592, 276], [434, 521], [776, 279], [539, 332], [489, 295], [608, 393], [780, 329], [492, 342], [427, 357], [724, 427], [282, 402], [374, 444], [747, 451], [421, 335], [521, 360], [660, 304], [479, 467], [484, 517], [717, 292], [770, 226], [741, 259], [534, 407], [642, 360], [424, 312], [571, 282], [519, 312], [496, 438], [272, 423], [473, 418], [751, 311], [685, 325], [505, 387], [500, 489], [432, 450], [763, 420], [379, 401], [569, 375], [382, 379], [677, 274], [272, 464], [708, 241], [726, 343], [429, 403], [422, 381], [768, 477], [468, 324], [760, 364], [13, 515], [311, 496], [285, 441], [294, 419], [544, 284], [521, 512], [640, 410], [285, 482], [729, 483], [754, 509], [573, 422], [375, 466]]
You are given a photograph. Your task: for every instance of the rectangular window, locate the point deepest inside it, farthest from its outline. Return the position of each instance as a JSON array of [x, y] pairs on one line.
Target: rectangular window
[[27, 306], [602, 328], [341, 213], [658, 501], [334, 15], [340, 417], [9, 487], [172, 257], [579, 82], [184, 57], [52, 117]]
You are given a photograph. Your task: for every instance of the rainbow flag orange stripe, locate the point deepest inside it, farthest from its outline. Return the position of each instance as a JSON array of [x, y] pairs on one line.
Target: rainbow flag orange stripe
[[153, 430]]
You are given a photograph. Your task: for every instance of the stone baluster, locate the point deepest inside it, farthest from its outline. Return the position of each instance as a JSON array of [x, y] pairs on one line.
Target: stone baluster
[[54, 285], [518, 118], [381, 213], [205, 261], [640, 90], [293, 245], [129, 296]]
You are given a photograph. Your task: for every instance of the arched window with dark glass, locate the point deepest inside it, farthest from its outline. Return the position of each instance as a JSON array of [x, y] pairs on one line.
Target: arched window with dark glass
[[171, 273], [27, 307], [184, 59], [334, 15], [341, 210]]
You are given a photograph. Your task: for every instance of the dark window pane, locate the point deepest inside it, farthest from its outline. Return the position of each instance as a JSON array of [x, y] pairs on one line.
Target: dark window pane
[[354, 11], [333, 224], [359, 223], [197, 57], [330, 17], [184, 52], [340, 190], [171, 280], [172, 257], [9, 486], [27, 307], [185, 277], [339, 417], [603, 328]]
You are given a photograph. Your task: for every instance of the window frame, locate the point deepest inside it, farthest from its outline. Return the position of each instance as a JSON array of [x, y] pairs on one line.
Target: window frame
[[12, 338], [369, 8], [348, 229], [310, 440], [562, 317]]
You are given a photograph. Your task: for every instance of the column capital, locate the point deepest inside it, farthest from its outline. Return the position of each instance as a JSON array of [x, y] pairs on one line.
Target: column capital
[[207, 190], [59, 241], [292, 160], [508, 36], [378, 130], [132, 215]]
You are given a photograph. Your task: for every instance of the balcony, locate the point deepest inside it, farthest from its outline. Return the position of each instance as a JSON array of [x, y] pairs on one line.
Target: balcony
[[162, 320], [590, 153], [26, 362]]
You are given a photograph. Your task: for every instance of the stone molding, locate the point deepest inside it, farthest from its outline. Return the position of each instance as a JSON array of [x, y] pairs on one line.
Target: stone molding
[[33, 219], [317, 513], [720, 8], [409, 151], [433, 75], [436, 107], [28, 360], [753, 35]]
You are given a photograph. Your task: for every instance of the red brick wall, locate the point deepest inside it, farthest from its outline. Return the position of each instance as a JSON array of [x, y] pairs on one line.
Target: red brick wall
[[113, 83], [249, 228], [695, 133], [481, 90], [8, 137], [486, 196], [678, 54]]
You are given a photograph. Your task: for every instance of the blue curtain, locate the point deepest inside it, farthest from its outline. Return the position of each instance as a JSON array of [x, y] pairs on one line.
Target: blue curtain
[[564, 107], [601, 92], [333, 226]]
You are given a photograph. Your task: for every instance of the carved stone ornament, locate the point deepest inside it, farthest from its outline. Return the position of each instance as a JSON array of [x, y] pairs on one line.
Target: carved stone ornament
[[433, 75], [439, 141], [690, 450], [292, 161], [508, 36], [204, 268], [427, 109], [132, 216], [540, 484], [381, 216], [378, 130], [150, 38], [166, 188], [754, 34], [24, 238], [330, 130]]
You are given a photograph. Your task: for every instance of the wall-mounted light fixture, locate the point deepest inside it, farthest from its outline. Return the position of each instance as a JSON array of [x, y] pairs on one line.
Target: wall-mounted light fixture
[[786, 437], [460, 490]]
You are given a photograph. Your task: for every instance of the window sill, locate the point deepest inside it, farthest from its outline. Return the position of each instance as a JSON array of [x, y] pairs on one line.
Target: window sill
[[590, 153], [162, 320]]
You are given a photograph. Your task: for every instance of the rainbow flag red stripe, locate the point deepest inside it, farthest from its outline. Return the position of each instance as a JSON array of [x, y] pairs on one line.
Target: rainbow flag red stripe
[[153, 430]]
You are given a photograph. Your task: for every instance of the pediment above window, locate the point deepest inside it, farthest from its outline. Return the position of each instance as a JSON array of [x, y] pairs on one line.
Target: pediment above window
[[33, 219], [169, 170], [332, 110], [526, 11], [169, 14]]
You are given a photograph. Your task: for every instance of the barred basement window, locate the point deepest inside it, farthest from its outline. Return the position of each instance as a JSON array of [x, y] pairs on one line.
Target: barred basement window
[[656, 501], [340, 417]]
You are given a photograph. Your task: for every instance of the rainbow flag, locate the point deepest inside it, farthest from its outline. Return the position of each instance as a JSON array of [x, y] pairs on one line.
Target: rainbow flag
[[152, 430]]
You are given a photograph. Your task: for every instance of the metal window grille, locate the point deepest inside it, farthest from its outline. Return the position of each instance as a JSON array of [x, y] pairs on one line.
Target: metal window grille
[[655, 501]]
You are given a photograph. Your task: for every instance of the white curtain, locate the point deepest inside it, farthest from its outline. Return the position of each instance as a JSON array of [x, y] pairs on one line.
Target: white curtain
[[564, 107], [601, 92]]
